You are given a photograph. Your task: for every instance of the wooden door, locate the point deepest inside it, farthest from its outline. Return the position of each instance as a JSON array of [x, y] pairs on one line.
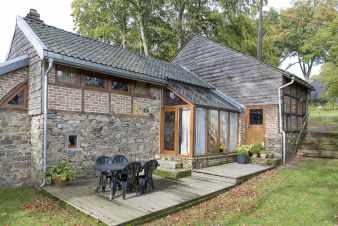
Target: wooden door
[[255, 132]]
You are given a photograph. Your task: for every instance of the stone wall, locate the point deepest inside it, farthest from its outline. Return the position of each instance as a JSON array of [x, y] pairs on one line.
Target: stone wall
[[15, 148], [273, 138], [137, 137]]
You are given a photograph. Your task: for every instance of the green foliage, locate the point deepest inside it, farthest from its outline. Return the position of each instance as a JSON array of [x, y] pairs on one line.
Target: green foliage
[[301, 31], [243, 150], [63, 171], [161, 27], [329, 77], [257, 149]]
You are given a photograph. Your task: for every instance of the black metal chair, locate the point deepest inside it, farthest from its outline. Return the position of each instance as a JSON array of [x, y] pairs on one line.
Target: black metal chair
[[102, 165], [147, 177], [119, 159], [127, 179]]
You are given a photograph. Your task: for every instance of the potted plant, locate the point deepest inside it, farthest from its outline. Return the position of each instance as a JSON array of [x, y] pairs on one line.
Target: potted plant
[[60, 174], [256, 150], [222, 147], [243, 154]]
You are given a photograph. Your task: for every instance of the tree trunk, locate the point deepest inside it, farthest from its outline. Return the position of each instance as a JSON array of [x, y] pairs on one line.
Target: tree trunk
[[260, 32], [180, 25], [123, 40], [142, 35]]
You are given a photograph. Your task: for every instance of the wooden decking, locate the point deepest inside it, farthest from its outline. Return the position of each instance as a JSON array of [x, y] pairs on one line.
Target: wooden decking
[[169, 196]]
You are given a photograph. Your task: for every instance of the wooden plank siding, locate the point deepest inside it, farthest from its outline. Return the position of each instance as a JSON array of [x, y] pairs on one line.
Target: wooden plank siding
[[21, 46], [241, 77]]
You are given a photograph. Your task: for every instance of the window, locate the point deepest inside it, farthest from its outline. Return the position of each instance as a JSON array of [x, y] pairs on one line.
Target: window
[[16, 98], [184, 133], [67, 77], [72, 142], [256, 116], [120, 86], [224, 126], [233, 131], [213, 131], [95, 82], [200, 140], [141, 89]]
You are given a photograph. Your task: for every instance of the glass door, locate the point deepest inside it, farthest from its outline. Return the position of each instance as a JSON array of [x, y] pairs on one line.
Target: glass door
[[169, 131]]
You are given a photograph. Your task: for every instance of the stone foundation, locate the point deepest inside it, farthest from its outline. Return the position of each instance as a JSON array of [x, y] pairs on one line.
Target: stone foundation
[[15, 149]]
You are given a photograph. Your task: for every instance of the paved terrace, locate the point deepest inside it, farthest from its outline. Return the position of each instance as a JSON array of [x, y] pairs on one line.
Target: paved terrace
[[169, 195]]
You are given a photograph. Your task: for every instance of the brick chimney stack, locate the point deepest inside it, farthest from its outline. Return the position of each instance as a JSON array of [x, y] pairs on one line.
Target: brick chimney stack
[[34, 15]]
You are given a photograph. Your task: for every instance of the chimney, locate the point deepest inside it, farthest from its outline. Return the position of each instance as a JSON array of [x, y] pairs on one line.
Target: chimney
[[33, 15]]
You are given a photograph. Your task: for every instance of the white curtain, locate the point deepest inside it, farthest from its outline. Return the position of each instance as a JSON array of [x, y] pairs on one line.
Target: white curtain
[[233, 131], [224, 125], [200, 131], [185, 126]]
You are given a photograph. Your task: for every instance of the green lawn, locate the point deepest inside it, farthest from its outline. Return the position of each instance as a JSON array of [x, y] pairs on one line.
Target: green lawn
[[303, 194], [26, 206], [323, 119]]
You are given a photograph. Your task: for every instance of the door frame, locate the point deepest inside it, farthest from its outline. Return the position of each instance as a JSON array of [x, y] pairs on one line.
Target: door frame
[[247, 120], [176, 109]]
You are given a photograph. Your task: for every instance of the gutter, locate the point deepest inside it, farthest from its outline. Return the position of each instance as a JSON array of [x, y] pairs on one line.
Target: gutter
[[45, 118], [281, 118]]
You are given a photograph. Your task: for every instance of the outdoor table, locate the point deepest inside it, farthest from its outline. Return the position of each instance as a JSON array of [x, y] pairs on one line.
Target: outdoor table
[[112, 170]]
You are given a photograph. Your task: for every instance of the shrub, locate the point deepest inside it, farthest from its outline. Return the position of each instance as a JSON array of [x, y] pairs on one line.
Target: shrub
[[257, 149], [243, 150], [63, 172]]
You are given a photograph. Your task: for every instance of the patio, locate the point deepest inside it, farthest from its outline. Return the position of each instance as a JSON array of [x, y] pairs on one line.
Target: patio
[[169, 195]]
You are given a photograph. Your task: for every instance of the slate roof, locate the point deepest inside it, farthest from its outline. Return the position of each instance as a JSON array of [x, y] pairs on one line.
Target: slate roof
[[77, 48], [14, 64], [202, 97]]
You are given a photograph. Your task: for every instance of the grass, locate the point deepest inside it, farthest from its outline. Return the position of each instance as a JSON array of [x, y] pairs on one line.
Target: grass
[[302, 194], [27, 206], [325, 119]]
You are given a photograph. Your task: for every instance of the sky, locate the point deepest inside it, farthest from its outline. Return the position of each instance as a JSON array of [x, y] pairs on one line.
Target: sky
[[58, 14]]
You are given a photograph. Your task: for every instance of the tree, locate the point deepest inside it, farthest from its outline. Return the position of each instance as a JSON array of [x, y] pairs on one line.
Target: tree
[[104, 20], [298, 26]]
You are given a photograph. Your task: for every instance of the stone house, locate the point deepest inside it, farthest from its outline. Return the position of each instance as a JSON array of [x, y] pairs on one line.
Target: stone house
[[66, 96]]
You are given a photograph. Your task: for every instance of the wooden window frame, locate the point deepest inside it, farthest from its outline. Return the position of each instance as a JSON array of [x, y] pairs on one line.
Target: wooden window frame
[[130, 86], [94, 88], [73, 84], [23, 87], [67, 142], [148, 93]]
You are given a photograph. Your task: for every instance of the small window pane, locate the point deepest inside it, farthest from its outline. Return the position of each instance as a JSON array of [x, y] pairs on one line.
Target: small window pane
[[120, 86], [213, 131], [200, 140], [72, 141], [95, 82], [17, 99], [256, 116], [233, 131], [184, 133], [169, 131], [224, 126], [141, 89], [67, 77]]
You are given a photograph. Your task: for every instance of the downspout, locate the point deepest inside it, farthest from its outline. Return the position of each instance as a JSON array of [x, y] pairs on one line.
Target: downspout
[[45, 117], [281, 118]]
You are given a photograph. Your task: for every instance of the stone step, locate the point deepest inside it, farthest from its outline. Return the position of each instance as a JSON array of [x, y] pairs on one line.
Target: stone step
[[318, 153], [172, 173], [170, 164]]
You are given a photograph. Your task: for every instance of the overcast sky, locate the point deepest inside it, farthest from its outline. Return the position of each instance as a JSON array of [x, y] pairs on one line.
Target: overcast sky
[[58, 14]]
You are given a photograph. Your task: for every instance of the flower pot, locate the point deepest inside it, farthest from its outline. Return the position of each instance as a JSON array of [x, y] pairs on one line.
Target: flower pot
[[242, 159], [58, 182]]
